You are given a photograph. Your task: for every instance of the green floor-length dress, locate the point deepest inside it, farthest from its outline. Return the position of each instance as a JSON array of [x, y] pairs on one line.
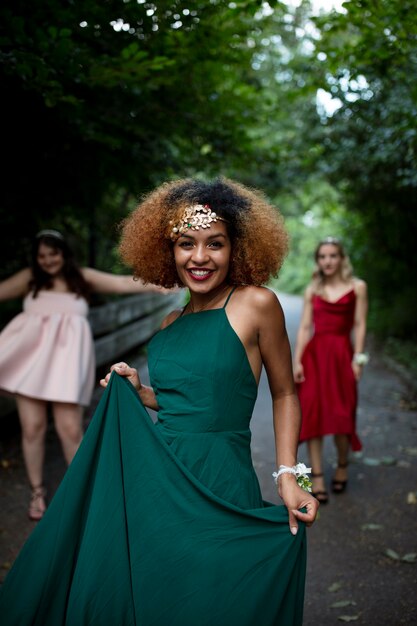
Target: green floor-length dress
[[164, 525]]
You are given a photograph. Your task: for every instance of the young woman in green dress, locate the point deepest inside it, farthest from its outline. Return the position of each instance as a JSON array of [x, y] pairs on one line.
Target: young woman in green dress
[[164, 523]]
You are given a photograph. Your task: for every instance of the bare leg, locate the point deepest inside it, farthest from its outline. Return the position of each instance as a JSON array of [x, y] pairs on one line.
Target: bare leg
[[34, 420], [315, 447], [342, 445], [69, 426]]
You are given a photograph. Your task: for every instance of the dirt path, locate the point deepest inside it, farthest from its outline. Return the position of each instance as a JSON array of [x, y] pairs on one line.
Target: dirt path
[[352, 575]]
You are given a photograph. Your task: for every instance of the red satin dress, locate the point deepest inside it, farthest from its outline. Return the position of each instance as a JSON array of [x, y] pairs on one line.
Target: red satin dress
[[328, 396]]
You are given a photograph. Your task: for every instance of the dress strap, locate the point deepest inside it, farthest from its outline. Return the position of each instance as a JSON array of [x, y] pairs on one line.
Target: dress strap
[[229, 296]]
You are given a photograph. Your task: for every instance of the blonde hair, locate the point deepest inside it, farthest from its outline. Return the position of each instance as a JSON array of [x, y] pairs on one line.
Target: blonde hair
[[346, 269]]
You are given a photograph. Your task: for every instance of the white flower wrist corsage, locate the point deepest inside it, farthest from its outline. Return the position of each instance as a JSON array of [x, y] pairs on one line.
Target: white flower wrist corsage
[[360, 358], [300, 471]]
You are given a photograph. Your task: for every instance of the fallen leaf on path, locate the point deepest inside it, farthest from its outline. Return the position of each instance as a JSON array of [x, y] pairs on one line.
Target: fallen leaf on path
[[404, 464], [388, 460], [334, 587], [372, 462], [342, 603], [392, 554], [411, 497], [348, 618], [372, 527], [410, 557], [411, 451]]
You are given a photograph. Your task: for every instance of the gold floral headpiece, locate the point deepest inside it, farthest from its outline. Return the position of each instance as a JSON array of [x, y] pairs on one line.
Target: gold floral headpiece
[[195, 217]]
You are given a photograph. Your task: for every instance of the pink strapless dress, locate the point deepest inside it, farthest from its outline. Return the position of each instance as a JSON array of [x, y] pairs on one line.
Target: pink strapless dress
[[47, 351]]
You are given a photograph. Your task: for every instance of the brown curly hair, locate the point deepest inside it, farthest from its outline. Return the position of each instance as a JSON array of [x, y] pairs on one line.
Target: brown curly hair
[[256, 230]]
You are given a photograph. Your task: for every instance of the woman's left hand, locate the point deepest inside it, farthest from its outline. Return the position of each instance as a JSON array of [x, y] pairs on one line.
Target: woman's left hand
[[357, 371], [296, 498]]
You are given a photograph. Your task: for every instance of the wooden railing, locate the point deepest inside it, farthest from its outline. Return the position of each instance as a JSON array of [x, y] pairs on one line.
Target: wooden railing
[[121, 325], [124, 324]]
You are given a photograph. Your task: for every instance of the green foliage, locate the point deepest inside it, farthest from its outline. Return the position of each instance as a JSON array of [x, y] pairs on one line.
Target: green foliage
[[364, 58], [102, 101], [313, 212], [283, 141], [103, 97], [368, 60]]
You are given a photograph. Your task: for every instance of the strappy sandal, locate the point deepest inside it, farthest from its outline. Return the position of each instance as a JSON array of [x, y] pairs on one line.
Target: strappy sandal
[[37, 505], [322, 496], [339, 486]]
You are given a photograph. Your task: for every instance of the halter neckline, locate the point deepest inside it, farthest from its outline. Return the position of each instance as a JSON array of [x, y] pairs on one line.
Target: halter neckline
[[219, 308]]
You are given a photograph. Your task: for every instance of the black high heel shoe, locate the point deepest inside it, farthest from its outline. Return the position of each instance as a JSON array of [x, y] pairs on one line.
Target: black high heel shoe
[[322, 496], [339, 486]]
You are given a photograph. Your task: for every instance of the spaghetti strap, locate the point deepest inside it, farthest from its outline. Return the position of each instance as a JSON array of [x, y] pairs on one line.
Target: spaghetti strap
[[229, 296]]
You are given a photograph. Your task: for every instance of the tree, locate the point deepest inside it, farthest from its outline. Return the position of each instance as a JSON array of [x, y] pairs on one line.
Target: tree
[[369, 56], [107, 99]]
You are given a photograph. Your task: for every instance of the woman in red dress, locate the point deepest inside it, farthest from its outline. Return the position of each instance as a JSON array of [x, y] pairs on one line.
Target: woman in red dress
[[328, 361]]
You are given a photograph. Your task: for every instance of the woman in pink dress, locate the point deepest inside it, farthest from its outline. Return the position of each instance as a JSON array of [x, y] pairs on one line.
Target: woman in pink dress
[[327, 366], [47, 351]]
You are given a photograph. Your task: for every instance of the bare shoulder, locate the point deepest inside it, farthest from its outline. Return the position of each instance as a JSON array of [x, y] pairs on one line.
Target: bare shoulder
[[360, 287], [308, 293], [171, 317], [256, 301], [255, 312], [256, 296]]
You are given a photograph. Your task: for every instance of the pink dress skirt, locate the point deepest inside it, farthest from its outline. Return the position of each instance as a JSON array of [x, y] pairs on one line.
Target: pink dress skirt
[[47, 351]]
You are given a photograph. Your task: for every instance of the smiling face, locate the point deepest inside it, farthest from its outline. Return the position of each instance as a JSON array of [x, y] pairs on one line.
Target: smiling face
[[329, 259], [50, 260], [202, 258]]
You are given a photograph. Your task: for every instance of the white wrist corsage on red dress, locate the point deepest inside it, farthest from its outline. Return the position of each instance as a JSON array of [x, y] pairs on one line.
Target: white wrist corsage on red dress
[[360, 358]]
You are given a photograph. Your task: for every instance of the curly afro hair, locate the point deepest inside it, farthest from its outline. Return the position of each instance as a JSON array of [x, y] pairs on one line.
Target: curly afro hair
[[256, 230]]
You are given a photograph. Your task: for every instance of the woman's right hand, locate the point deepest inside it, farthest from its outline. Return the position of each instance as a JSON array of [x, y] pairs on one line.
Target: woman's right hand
[[123, 369], [299, 373]]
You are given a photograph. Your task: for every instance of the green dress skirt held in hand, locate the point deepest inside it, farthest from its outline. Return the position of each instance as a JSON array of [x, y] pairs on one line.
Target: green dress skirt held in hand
[[164, 524]]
